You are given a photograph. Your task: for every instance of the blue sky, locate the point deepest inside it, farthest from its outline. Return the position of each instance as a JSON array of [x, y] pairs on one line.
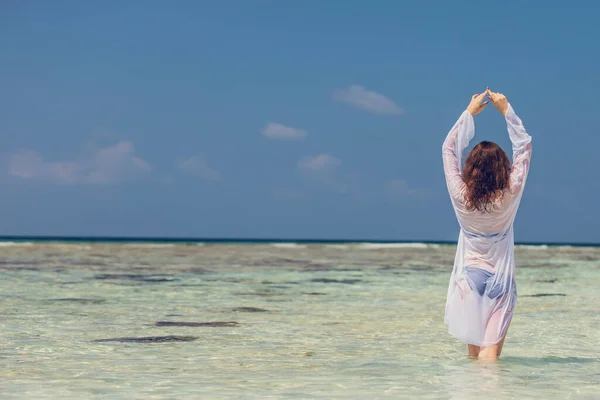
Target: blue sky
[[312, 119]]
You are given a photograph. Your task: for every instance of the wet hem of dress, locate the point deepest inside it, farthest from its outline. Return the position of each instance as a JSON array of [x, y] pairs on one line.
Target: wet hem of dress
[[474, 344]]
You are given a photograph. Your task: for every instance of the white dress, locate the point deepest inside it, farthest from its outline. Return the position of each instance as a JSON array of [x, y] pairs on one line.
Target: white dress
[[482, 292]]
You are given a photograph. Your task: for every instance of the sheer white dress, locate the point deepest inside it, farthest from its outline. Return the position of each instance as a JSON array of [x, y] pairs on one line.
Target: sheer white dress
[[482, 292]]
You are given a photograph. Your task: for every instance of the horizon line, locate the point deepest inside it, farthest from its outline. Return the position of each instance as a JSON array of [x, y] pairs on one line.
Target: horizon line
[[240, 240]]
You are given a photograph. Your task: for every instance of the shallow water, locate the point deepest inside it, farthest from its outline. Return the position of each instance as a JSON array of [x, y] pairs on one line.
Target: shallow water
[[317, 321]]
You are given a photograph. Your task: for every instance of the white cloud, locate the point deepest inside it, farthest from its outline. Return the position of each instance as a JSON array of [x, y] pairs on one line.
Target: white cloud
[[274, 130], [323, 168], [197, 165], [319, 163], [401, 188], [358, 96], [100, 166]]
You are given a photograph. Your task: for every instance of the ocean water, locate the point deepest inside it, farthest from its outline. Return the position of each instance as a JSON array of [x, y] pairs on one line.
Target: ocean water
[[284, 320]]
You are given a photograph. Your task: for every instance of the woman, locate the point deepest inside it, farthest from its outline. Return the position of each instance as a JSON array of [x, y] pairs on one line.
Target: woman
[[485, 195]]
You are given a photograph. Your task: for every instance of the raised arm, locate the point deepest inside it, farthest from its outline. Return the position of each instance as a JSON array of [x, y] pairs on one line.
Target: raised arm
[[456, 142], [521, 143]]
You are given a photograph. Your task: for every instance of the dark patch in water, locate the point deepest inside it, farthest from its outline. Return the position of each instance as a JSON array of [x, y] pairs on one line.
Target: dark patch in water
[[196, 270], [344, 281], [134, 277], [317, 265], [543, 265], [421, 267], [228, 280], [159, 280], [261, 294], [407, 268], [249, 309], [17, 267], [128, 284], [278, 262], [315, 293], [78, 300], [547, 280], [83, 262], [174, 315], [27, 269], [584, 257], [100, 255], [395, 269], [280, 287], [544, 295], [18, 262], [326, 268], [150, 339], [218, 324], [191, 284]]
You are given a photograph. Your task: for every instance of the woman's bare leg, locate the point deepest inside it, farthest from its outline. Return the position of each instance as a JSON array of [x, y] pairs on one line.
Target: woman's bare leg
[[493, 352], [502, 341], [474, 351]]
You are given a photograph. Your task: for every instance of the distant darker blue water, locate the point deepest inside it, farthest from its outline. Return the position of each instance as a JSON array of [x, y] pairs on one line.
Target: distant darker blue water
[[249, 241]]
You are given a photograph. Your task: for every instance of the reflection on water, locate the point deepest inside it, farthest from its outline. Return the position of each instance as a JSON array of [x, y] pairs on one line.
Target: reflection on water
[[303, 321], [473, 380]]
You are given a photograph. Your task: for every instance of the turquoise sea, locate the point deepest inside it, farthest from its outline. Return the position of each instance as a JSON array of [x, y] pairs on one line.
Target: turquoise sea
[[174, 320]]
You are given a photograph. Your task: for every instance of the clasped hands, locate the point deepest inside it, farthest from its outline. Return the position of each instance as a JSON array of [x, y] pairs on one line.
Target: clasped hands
[[477, 103]]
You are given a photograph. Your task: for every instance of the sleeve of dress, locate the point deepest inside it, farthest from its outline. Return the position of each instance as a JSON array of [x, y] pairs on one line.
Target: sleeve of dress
[[452, 150], [521, 147]]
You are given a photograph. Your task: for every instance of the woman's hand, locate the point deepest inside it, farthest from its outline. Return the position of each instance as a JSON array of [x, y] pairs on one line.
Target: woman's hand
[[476, 106], [499, 101]]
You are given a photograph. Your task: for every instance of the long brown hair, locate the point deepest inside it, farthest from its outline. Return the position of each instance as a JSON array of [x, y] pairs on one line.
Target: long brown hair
[[486, 175]]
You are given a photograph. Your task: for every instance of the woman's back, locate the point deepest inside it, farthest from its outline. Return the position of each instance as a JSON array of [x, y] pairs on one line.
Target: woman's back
[[498, 219]]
